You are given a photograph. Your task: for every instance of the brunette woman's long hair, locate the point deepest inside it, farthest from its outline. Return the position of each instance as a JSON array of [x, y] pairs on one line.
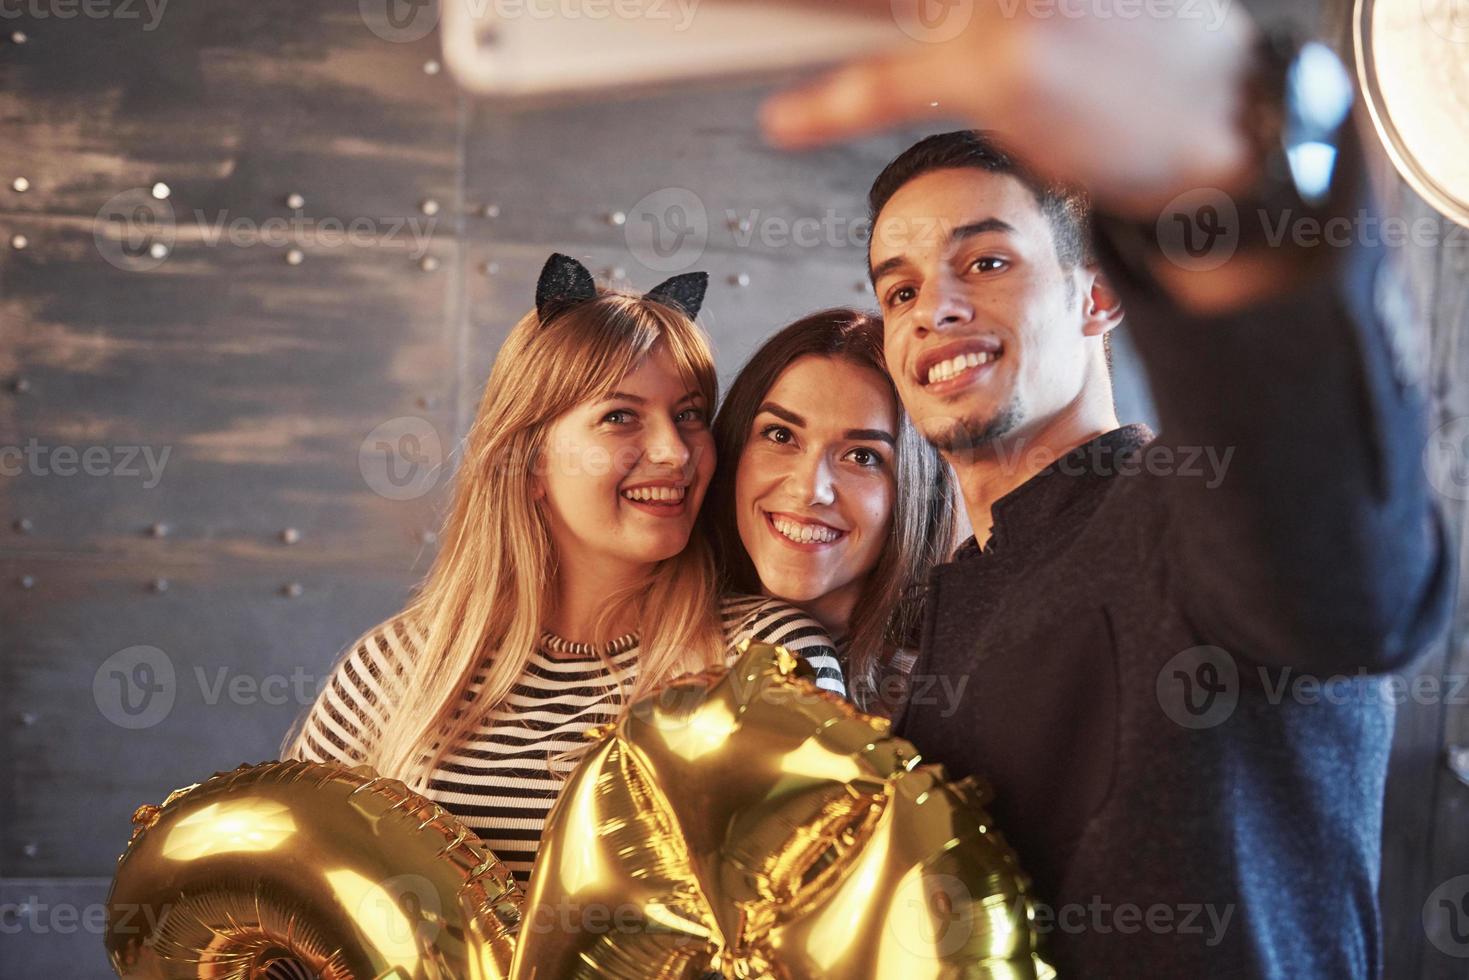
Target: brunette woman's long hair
[[486, 597], [888, 612]]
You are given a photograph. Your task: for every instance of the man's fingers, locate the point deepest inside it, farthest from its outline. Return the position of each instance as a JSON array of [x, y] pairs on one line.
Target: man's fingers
[[850, 101]]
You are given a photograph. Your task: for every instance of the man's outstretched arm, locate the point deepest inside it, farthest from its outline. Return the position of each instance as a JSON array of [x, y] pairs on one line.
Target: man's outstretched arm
[[1320, 545]]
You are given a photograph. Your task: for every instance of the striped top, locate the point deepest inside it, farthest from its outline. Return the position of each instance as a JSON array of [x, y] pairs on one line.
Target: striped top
[[499, 781]]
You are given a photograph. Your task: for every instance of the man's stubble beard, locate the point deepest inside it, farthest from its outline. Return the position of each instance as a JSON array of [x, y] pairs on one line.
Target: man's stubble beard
[[962, 438]]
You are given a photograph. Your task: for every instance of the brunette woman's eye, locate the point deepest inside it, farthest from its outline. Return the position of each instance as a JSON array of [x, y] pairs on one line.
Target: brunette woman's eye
[[863, 456], [777, 433]]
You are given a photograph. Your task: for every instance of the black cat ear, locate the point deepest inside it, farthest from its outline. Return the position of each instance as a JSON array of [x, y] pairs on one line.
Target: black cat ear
[[684, 291], [564, 283]]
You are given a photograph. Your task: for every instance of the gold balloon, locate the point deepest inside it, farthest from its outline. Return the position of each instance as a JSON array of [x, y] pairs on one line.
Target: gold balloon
[[739, 823], [744, 823], [299, 869]]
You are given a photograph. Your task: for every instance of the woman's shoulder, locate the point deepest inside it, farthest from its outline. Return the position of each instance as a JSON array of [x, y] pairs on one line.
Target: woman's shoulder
[[766, 620], [354, 699], [761, 619], [384, 653]]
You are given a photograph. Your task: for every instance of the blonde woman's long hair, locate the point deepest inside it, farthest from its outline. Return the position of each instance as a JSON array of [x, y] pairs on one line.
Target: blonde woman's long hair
[[491, 586]]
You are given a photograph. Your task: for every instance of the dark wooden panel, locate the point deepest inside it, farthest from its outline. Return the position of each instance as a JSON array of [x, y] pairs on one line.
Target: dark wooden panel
[[51, 928], [264, 380], [1444, 903], [567, 169], [259, 379], [240, 409], [737, 317], [1408, 810], [230, 663]]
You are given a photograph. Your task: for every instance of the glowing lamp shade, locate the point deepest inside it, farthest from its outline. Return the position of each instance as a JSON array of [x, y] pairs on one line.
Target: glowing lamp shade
[[1413, 66]]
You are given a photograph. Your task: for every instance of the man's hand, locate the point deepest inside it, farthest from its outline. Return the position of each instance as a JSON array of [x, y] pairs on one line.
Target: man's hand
[[1138, 100]]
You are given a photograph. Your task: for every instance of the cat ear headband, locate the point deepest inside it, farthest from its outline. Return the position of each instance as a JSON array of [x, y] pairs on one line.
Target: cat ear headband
[[565, 282]]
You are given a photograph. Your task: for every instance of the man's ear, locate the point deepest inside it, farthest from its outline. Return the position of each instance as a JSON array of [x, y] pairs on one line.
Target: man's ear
[[1101, 306]]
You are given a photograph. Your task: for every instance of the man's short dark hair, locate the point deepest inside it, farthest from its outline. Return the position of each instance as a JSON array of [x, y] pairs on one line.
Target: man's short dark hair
[[1066, 207]]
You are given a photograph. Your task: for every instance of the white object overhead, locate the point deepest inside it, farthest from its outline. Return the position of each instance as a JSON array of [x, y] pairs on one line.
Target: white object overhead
[[549, 47], [1413, 65]]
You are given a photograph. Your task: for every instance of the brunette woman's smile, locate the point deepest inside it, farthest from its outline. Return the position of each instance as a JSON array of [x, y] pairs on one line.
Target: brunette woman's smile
[[802, 533]]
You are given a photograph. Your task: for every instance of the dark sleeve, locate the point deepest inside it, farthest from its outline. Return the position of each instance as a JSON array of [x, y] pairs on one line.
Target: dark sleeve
[[1321, 546]]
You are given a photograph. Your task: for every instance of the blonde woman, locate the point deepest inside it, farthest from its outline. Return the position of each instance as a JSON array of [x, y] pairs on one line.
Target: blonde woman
[[568, 582]]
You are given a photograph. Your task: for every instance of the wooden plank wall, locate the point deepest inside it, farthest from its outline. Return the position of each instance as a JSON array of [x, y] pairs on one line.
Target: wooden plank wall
[[1425, 865], [272, 433], [300, 409]]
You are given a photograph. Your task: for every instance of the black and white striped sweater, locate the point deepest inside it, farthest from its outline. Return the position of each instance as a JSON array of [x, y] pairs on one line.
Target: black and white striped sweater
[[498, 782]]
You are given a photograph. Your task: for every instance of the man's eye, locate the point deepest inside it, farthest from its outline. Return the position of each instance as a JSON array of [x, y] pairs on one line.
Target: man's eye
[[988, 263], [902, 294], [776, 433]]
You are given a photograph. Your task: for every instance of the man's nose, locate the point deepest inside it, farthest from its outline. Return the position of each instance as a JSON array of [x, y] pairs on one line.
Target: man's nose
[[942, 305]]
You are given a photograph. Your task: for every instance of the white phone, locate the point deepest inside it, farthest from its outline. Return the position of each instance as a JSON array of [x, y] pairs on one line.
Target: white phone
[[566, 47]]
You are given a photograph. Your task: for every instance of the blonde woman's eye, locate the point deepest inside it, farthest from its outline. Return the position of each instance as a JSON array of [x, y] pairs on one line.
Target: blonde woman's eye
[[620, 417], [691, 415]]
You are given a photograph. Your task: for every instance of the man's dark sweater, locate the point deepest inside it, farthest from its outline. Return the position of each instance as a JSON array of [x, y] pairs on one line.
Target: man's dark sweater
[[1124, 636]]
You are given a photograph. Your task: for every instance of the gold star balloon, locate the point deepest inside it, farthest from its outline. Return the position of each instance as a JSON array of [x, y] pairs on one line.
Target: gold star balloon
[[745, 824], [299, 869], [737, 824]]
